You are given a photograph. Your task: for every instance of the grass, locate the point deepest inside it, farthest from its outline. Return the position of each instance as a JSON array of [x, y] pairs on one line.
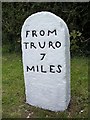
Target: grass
[[13, 96]]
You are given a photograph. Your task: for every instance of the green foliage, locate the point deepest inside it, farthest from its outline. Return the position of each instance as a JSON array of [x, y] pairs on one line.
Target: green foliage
[[13, 97], [74, 14], [75, 39], [78, 43]]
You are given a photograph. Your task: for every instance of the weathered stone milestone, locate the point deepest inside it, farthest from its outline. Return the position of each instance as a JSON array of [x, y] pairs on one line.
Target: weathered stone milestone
[[46, 61]]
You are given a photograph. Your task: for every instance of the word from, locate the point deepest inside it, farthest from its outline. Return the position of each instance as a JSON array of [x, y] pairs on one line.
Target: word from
[[34, 33]]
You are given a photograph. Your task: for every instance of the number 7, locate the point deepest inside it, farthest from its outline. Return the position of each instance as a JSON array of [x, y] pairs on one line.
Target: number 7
[[43, 55]]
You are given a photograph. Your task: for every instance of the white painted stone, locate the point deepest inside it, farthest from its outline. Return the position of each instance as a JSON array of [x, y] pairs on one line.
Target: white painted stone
[[49, 90]]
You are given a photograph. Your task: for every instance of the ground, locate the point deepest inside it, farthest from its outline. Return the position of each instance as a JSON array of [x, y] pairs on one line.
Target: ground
[[13, 91]]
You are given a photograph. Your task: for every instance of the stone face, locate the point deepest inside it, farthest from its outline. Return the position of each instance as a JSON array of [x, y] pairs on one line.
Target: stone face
[[46, 61]]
